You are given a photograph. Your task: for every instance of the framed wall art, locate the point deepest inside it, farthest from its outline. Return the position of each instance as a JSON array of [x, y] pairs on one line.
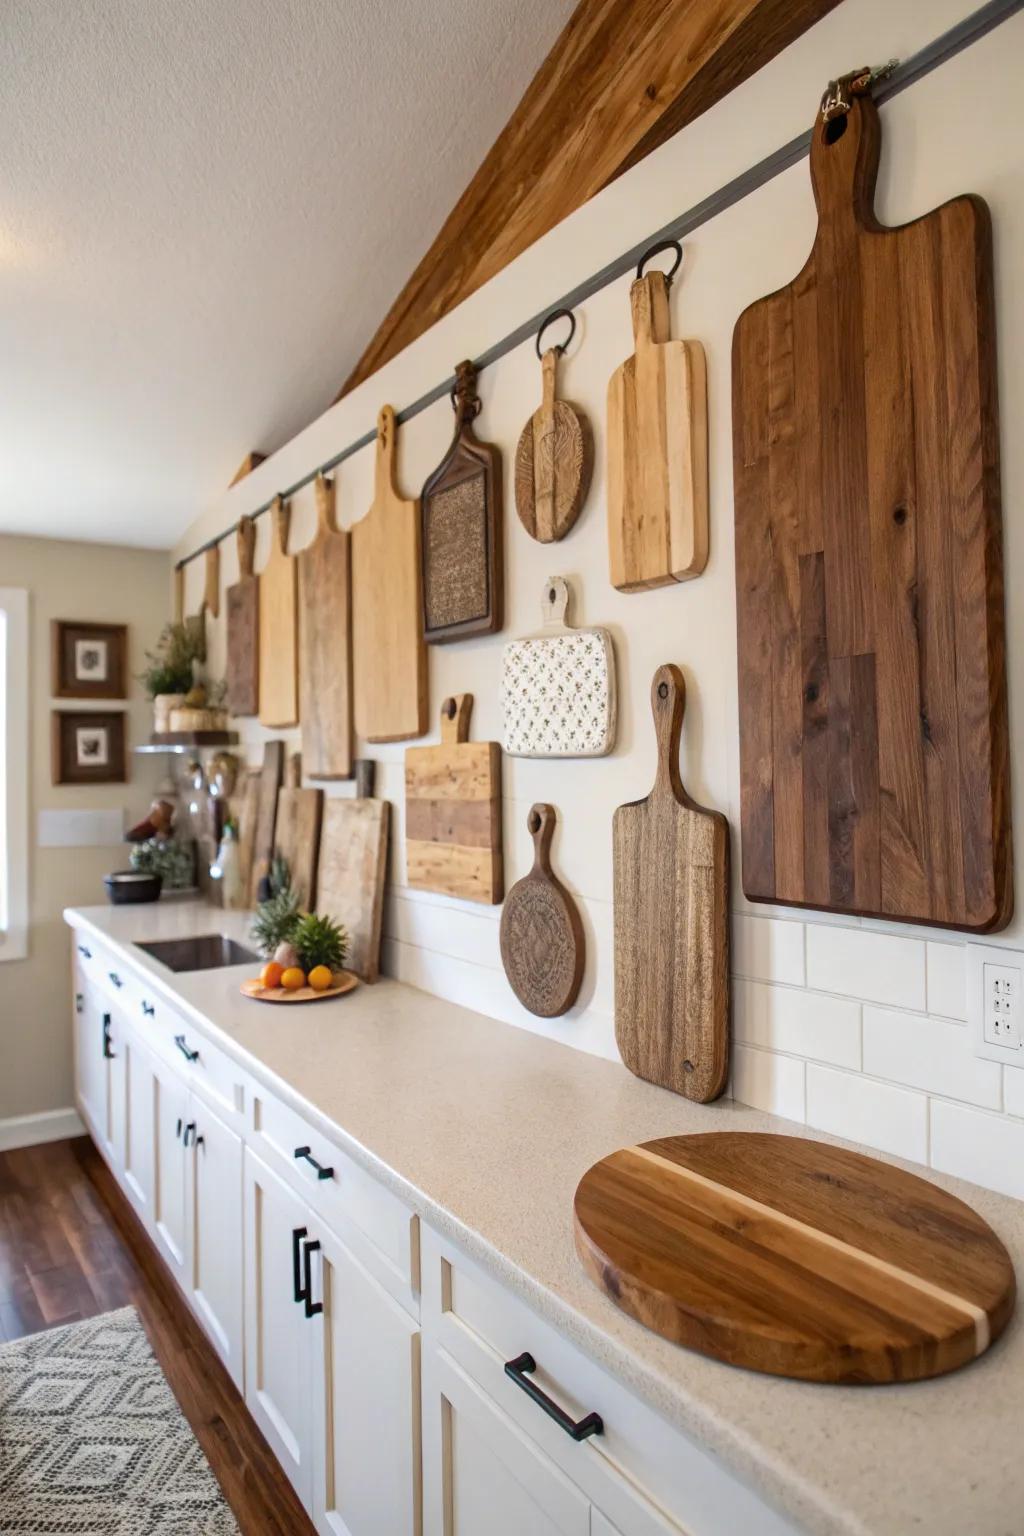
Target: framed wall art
[[88, 748], [88, 661]]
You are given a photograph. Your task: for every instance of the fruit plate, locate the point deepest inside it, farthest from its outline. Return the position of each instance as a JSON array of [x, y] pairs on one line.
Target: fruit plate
[[344, 981]]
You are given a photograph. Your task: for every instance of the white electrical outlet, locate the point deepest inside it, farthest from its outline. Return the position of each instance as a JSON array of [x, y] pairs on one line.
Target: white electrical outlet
[[995, 981]]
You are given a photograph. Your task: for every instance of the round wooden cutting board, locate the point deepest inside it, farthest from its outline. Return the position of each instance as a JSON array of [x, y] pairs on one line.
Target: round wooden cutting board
[[345, 981], [789, 1256]]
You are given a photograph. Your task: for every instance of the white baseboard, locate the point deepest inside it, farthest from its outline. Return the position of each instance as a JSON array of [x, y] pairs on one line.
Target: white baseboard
[[30, 1130]]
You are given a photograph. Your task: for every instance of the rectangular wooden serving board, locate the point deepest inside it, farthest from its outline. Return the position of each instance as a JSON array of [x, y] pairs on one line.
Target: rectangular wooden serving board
[[453, 837], [872, 690], [350, 881]]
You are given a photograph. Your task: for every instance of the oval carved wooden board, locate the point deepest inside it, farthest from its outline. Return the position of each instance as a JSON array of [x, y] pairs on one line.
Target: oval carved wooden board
[[788, 1256], [344, 982], [554, 461], [542, 942]]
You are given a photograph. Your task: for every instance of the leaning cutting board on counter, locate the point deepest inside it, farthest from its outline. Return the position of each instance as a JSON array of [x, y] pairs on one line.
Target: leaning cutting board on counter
[[279, 637], [389, 657], [671, 910], [558, 686], [325, 644], [872, 693], [657, 448], [350, 880], [453, 841], [297, 839], [243, 637]]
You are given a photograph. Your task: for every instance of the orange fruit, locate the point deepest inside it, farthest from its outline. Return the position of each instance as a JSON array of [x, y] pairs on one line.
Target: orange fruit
[[320, 978], [271, 974], [293, 978]]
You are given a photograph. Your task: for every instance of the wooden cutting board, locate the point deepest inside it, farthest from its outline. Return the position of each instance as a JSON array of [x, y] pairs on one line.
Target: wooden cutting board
[[657, 451], [279, 636], [453, 811], [554, 461], [297, 840], [325, 644], [872, 694], [389, 657], [671, 892], [558, 687], [350, 883], [248, 813], [243, 634], [543, 948], [785, 1255], [263, 842], [463, 529]]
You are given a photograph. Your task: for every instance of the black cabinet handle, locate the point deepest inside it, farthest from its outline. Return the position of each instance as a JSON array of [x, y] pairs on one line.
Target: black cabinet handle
[[312, 1307], [190, 1130], [200, 1141], [115, 978], [148, 1009], [518, 1370], [183, 1047], [85, 951], [178, 1131], [321, 1171], [297, 1235], [79, 1002], [108, 1053]]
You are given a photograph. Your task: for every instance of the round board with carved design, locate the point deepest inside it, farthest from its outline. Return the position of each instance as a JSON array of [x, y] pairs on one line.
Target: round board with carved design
[[542, 943], [554, 460]]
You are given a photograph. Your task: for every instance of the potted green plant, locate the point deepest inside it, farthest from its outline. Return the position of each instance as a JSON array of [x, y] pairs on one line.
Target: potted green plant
[[168, 674]]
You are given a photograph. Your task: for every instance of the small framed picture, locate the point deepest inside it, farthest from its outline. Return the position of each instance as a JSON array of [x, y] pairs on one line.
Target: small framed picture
[[88, 748], [89, 661]]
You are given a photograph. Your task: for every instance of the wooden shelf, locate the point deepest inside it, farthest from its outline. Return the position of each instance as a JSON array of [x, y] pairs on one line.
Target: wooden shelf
[[182, 741]]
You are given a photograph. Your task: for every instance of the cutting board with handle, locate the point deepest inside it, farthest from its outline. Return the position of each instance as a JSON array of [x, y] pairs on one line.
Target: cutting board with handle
[[671, 895], [789, 1256], [297, 839], [542, 943], [325, 644], [271, 776], [657, 450], [463, 523], [554, 458], [389, 657], [558, 687], [350, 883], [872, 695], [279, 626], [247, 811], [453, 840], [243, 633]]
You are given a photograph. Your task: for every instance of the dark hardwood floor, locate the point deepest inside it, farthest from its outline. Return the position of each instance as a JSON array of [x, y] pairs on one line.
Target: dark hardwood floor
[[71, 1247]]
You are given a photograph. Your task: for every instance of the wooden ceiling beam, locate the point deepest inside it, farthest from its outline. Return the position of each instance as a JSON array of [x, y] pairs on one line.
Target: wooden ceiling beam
[[624, 76]]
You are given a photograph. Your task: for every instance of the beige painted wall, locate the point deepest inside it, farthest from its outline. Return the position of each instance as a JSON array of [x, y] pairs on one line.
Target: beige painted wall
[[68, 581]]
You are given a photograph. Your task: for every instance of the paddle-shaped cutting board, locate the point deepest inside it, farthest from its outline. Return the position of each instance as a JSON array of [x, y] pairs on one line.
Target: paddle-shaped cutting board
[[789, 1256], [453, 811], [350, 882], [657, 451], [542, 943], [554, 461], [558, 687], [671, 894], [279, 633], [872, 694], [389, 656], [243, 637], [325, 645]]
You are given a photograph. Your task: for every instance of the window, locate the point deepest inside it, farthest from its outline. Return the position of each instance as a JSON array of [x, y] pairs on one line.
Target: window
[[14, 752]]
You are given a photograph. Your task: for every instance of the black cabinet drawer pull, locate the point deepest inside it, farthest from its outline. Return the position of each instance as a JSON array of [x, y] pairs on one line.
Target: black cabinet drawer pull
[[79, 1002], [321, 1171], [297, 1235], [108, 1053], [148, 1009], [312, 1307], [85, 951], [115, 978], [183, 1047], [178, 1131], [518, 1370], [190, 1130]]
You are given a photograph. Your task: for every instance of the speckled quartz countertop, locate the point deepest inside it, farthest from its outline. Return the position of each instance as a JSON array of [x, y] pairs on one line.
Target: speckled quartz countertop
[[485, 1130]]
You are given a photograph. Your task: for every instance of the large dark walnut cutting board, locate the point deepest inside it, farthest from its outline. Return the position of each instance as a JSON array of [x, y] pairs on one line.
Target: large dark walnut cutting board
[[872, 692], [785, 1255]]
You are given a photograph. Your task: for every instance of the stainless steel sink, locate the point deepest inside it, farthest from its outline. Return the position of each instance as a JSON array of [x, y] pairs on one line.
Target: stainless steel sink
[[204, 952]]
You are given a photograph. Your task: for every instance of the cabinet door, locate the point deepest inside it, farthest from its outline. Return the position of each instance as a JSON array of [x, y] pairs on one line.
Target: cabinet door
[[278, 1335], [215, 1232], [366, 1405], [481, 1473], [116, 1037], [91, 1062], [170, 1114], [139, 1121]]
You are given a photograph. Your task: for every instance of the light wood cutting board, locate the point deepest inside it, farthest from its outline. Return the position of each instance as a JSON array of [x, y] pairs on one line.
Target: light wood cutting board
[[279, 638], [297, 839], [453, 840], [558, 687], [389, 656], [243, 635], [350, 883], [325, 644], [789, 1256], [671, 894], [657, 451]]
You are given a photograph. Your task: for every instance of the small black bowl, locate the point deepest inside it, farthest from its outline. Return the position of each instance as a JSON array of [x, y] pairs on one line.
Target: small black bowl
[[126, 886]]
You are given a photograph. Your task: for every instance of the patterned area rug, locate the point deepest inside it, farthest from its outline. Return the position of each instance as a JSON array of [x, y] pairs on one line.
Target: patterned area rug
[[92, 1442]]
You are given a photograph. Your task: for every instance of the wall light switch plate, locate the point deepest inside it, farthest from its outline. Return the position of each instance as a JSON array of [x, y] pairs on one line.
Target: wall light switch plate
[[995, 1002]]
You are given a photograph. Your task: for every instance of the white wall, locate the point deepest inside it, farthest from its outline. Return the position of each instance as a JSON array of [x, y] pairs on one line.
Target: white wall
[[854, 1026]]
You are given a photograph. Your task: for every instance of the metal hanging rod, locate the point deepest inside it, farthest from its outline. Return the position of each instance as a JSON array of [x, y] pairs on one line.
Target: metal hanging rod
[[973, 27]]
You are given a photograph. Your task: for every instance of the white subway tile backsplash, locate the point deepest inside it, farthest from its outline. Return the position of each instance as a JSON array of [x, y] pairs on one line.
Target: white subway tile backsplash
[[861, 1109], [802, 1023], [767, 1081], [878, 967], [929, 1053], [1013, 1091], [989, 1149], [947, 980], [765, 949]]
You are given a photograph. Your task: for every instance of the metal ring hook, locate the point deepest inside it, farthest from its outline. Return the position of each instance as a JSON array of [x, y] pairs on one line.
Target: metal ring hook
[[557, 314], [653, 250]]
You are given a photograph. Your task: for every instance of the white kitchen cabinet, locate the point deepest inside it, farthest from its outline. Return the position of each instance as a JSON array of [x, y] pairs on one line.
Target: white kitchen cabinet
[[91, 1061], [170, 1215], [139, 1118], [214, 1183]]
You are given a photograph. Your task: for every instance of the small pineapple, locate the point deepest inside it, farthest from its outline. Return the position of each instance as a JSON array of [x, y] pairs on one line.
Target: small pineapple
[[275, 921], [319, 941]]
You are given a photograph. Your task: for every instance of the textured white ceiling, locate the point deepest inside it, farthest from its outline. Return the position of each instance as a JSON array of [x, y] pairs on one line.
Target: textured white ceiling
[[206, 207]]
